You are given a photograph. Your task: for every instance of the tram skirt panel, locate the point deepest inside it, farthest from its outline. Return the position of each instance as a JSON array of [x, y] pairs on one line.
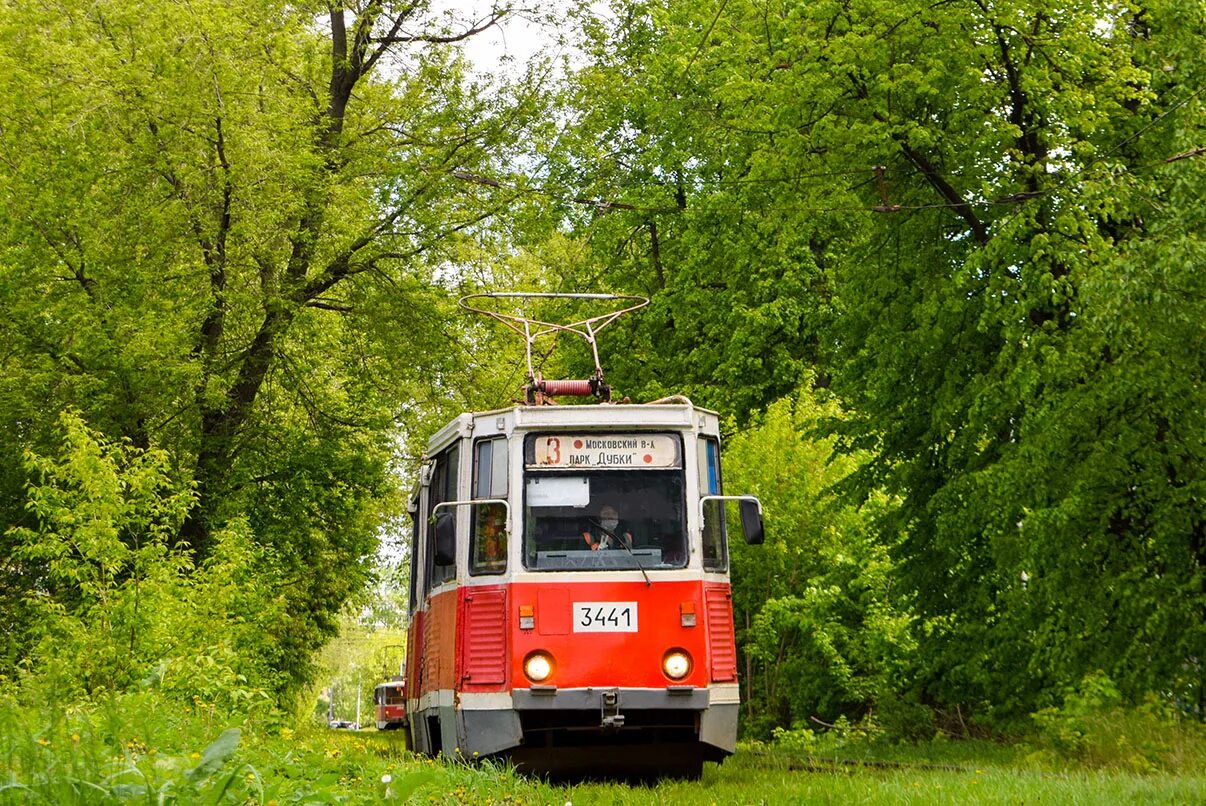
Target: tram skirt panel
[[484, 732]]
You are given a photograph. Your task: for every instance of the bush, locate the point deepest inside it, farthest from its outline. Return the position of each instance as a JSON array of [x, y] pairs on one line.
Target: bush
[[822, 629], [1095, 727], [903, 717], [840, 736], [118, 606]]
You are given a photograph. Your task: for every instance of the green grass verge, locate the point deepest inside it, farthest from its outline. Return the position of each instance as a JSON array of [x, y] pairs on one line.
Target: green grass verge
[[136, 749]]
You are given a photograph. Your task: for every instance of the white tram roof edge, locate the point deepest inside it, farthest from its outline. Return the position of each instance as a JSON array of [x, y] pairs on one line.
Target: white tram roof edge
[[592, 417]]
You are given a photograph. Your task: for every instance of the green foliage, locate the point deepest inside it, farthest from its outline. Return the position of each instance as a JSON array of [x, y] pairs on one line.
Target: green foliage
[[840, 738], [1094, 727], [106, 513], [824, 634], [232, 235], [119, 749], [116, 607], [134, 746], [1008, 310]]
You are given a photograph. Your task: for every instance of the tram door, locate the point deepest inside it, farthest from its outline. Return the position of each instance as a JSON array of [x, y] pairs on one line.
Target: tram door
[[436, 637]]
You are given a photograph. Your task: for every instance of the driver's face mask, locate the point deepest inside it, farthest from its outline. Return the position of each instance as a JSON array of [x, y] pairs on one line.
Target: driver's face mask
[[610, 523]]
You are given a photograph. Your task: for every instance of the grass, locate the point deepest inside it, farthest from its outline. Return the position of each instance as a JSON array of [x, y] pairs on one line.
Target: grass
[[134, 749], [916, 775]]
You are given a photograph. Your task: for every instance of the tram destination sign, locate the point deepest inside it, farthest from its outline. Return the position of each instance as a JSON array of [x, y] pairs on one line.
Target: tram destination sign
[[606, 451]]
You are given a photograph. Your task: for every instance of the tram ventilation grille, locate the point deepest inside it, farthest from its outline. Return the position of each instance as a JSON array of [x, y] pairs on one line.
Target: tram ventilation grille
[[722, 649], [485, 638]]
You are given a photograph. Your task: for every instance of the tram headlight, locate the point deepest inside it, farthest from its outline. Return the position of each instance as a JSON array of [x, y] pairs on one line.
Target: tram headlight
[[538, 667], [676, 664]]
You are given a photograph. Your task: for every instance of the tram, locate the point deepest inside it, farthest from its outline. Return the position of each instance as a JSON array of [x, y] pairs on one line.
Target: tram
[[389, 704], [570, 606]]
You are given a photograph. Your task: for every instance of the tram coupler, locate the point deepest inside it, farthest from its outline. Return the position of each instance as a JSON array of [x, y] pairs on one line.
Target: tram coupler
[[611, 718]]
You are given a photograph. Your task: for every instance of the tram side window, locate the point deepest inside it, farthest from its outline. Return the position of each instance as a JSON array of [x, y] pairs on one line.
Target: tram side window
[[443, 488], [715, 556], [488, 540], [414, 555]]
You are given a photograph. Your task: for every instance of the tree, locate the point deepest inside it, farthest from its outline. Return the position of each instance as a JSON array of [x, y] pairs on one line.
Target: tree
[[228, 235], [824, 631], [977, 220]]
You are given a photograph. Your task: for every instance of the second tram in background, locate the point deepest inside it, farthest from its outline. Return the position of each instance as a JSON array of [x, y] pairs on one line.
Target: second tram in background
[[389, 705], [570, 601]]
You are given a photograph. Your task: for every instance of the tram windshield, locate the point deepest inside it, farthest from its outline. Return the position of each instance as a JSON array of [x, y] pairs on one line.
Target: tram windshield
[[604, 502], [390, 694]]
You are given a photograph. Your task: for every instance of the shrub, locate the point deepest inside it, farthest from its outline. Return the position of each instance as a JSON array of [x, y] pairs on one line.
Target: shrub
[[818, 622], [1094, 726], [118, 606]]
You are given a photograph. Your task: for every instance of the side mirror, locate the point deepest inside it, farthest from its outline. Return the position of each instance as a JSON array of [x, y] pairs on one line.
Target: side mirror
[[445, 539], [751, 522]]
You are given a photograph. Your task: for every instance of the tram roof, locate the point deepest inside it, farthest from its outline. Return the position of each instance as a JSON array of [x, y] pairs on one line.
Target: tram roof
[[393, 682], [597, 416]]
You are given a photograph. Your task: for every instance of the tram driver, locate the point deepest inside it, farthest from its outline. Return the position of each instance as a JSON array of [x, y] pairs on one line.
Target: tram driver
[[607, 531]]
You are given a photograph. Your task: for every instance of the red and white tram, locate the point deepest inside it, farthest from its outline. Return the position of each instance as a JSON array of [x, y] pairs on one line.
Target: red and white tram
[[389, 704], [569, 590]]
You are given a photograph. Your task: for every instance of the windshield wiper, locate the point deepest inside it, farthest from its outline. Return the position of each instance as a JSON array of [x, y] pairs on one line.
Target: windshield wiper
[[627, 548]]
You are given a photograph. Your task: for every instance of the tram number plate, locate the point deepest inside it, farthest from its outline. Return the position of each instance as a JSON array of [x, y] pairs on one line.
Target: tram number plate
[[605, 616]]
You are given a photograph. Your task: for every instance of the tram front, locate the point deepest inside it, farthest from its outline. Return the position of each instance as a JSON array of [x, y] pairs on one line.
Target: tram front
[[624, 636], [569, 594]]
